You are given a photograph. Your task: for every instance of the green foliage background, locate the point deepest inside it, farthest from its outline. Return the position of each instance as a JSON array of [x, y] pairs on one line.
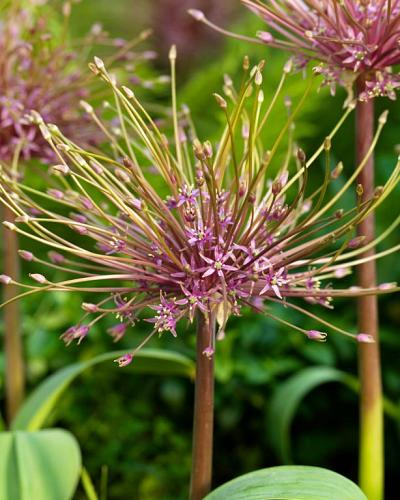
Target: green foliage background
[[138, 428]]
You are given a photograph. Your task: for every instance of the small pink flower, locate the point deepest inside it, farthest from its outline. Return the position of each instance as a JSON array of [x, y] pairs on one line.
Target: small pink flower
[[124, 360]]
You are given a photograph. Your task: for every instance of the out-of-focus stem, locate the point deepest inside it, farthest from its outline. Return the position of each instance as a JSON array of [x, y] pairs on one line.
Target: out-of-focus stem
[[371, 454], [14, 361], [203, 421]]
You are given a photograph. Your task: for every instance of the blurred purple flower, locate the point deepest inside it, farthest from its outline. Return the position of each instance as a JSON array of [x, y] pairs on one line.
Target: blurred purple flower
[[349, 37]]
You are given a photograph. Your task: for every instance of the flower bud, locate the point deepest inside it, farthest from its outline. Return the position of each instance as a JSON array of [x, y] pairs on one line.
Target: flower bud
[[56, 258], [9, 225], [38, 277], [337, 171], [124, 360], [356, 242], [25, 255], [197, 14], [265, 36], [301, 156], [364, 338], [316, 335], [5, 279], [220, 101], [92, 308]]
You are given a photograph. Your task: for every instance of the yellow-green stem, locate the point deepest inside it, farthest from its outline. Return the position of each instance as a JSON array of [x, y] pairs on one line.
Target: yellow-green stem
[[371, 455]]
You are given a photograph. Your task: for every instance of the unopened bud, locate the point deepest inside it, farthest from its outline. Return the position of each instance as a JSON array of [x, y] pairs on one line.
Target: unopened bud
[[301, 156], [220, 101], [9, 225], [172, 53], [339, 213], [62, 169], [356, 242], [316, 335], [337, 171], [23, 218], [327, 143], [364, 338], [122, 175], [359, 190], [99, 63], [383, 118], [5, 279], [258, 78], [25, 255], [265, 36], [66, 9], [56, 258], [92, 308], [45, 132], [197, 14], [208, 150], [378, 191], [86, 107], [128, 92], [276, 187], [287, 68], [246, 63], [38, 277]]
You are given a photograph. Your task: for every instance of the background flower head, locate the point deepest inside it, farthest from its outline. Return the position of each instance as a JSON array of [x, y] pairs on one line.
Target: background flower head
[[350, 38], [40, 69]]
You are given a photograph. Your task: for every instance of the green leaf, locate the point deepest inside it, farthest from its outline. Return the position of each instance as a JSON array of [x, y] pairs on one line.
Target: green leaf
[[288, 397], [41, 402], [289, 482], [42, 465]]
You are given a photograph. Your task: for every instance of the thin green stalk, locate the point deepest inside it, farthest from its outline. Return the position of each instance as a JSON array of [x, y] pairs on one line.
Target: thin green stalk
[[371, 453]]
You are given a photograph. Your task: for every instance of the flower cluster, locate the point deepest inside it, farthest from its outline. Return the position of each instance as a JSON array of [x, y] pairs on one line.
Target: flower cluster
[[350, 38], [40, 70], [169, 229]]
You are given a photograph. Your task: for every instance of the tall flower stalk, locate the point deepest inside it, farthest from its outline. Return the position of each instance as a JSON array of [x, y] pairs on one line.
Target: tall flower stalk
[[356, 44], [39, 69], [165, 230]]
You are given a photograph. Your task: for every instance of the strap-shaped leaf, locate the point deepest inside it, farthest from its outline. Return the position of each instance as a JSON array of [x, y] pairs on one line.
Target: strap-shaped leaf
[[287, 398], [42, 465], [40, 403], [289, 482]]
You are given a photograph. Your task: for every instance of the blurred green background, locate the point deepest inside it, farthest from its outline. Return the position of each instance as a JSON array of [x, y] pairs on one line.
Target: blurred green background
[[137, 427]]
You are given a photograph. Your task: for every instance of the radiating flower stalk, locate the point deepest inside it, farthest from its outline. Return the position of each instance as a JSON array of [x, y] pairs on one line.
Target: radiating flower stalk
[[234, 226], [356, 45], [41, 69]]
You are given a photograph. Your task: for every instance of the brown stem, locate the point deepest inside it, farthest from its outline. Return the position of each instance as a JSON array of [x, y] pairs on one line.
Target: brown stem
[[203, 420], [15, 373], [371, 415]]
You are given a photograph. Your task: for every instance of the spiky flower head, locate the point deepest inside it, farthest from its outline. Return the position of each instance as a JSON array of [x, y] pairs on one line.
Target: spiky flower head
[[41, 70], [170, 229], [351, 38]]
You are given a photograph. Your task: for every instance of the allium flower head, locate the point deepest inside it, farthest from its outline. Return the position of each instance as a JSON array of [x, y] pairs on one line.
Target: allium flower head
[[349, 37], [40, 70], [169, 229]]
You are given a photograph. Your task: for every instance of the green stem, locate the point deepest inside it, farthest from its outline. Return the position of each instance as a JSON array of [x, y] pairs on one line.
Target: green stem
[[15, 372], [371, 457], [203, 421]]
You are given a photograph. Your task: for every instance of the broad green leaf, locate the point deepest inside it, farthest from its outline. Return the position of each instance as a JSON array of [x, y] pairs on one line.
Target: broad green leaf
[[40, 403], [41, 465], [289, 482], [287, 398]]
